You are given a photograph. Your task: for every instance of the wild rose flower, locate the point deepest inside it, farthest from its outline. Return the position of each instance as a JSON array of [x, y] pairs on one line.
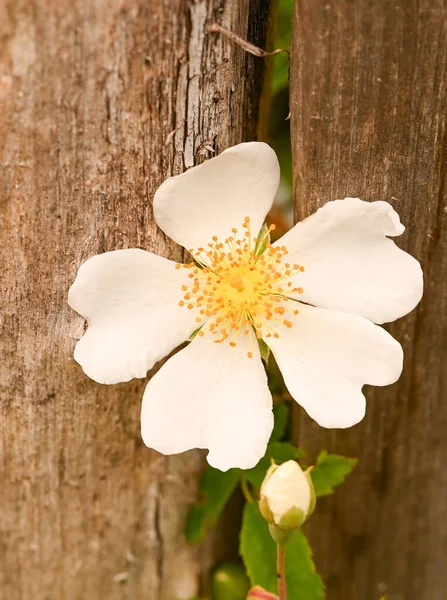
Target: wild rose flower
[[315, 297]]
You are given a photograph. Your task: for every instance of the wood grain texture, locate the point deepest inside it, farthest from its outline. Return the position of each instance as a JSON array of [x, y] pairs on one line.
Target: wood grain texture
[[368, 110], [100, 101]]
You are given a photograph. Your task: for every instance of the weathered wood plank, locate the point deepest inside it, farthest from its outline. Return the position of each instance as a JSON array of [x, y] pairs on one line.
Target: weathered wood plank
[[99, 101], [368, 116]]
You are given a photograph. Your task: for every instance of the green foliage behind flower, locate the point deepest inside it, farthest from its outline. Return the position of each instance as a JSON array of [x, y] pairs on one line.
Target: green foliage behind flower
[[329, 471], [257, 548], [283, 34]]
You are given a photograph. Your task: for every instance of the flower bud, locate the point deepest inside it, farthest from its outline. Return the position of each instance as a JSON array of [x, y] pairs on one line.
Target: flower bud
[[258, 593], [287, 497]]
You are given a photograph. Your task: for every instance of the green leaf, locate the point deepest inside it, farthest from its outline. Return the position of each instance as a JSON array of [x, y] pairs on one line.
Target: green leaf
[[329, 471], [258, 551], [278, 451], [216, 488], [281, 412]]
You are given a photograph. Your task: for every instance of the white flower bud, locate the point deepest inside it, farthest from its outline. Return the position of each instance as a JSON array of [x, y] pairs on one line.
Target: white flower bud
[[287, 496]]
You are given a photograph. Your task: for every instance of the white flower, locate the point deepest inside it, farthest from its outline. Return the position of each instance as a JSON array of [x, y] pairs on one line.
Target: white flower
[[287, 497], [213, 394]]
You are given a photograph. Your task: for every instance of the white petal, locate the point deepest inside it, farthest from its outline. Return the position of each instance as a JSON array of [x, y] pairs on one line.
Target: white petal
[[350, 264], [210, 396], [327, 356], [130, 300], [216, 196]]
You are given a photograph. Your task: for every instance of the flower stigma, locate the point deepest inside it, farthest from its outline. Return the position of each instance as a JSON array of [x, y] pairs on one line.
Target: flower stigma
[[241, 285]]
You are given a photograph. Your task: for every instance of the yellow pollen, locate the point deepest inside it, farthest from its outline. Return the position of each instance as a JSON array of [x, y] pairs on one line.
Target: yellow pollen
[[241, 286]]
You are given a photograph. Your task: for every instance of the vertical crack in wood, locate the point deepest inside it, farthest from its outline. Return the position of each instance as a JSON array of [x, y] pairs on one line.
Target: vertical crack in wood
[[198, 12]]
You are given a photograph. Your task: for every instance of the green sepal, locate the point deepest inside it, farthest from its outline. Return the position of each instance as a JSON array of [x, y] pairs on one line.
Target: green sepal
[[292, 519], [265, 510], [313, 496], [264, 350], [281, 536], [262, 240], [194, 333]]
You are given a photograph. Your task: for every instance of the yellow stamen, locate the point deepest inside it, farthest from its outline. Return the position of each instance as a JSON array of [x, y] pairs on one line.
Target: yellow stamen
[[237, 291]]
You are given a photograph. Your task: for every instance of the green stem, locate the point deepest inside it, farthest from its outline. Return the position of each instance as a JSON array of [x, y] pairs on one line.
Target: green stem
[[281, 572], [246, 490]]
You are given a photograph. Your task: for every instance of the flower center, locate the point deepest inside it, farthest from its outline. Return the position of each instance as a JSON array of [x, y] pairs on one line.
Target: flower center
[[241, 286], [238, 283]]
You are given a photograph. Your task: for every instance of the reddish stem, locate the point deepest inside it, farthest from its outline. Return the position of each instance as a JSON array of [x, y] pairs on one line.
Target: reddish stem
[[281, 572]]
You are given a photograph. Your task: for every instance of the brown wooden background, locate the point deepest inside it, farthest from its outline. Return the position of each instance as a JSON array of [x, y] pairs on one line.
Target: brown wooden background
[[368, 118], [100, 101]]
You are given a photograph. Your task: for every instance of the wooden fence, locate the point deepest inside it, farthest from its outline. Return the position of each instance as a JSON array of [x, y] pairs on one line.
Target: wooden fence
[[369, 110]]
